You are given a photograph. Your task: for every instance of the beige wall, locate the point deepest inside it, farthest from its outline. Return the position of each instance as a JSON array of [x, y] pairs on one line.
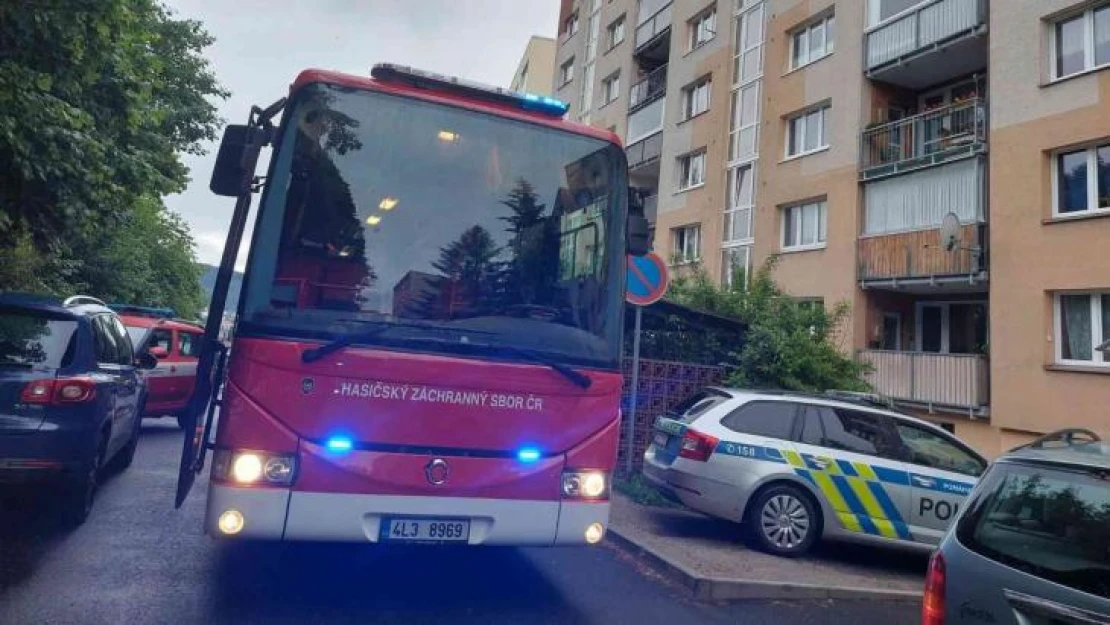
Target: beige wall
[[832, 174], [539, 59], [1030, 256]]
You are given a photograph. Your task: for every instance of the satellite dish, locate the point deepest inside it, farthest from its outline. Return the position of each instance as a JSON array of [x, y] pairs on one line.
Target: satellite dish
[[950, 232]]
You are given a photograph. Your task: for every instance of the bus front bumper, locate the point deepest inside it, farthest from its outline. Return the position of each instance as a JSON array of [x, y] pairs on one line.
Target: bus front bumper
[[282, 514]]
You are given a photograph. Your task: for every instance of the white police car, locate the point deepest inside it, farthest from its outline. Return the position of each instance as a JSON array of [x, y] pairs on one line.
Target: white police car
[[797, 467]]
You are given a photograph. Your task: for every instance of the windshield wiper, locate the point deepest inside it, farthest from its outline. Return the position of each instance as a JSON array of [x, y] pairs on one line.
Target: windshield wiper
[[380, 327], [579, 379]]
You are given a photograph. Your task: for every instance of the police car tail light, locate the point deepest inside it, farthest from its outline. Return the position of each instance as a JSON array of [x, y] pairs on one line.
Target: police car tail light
[[253, 467], [697, 446], [932, 606]]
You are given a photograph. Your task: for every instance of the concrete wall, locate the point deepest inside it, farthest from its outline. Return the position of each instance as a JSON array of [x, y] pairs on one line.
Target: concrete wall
[[838, 78], [1032, 256]]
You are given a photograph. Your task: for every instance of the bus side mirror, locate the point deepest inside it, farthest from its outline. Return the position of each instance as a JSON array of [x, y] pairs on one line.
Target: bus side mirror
[[227, 175], [639, 230]]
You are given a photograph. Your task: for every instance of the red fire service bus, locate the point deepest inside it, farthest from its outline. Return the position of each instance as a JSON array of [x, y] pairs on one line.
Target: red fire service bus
[[429, 331]]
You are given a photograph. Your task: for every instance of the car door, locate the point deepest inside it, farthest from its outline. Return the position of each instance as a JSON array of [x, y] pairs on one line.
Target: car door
[[130, 384], [942, 472], [108, 376], [851, 456], [160, 381]]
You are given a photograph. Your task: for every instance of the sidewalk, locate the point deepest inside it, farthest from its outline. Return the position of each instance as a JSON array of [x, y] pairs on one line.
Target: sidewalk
[[709, 557]]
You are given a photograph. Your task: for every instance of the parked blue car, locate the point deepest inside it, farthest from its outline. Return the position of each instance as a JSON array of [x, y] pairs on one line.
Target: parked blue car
[[71, 395]]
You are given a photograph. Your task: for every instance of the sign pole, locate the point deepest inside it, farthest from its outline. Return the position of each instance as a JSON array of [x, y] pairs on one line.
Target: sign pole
[[630, 445]]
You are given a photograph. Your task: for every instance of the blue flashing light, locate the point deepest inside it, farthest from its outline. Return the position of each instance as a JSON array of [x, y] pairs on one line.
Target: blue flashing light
[[339, 444], [543, 104], [528, 455], [529, 101]]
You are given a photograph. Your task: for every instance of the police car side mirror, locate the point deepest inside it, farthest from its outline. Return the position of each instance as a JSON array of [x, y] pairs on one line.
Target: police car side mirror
[[147, 361], [227, 175], [158, 352]]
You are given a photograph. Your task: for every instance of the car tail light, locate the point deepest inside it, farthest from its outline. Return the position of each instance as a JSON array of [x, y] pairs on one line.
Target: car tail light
[[60, 391], [932, 607], [697, 446]]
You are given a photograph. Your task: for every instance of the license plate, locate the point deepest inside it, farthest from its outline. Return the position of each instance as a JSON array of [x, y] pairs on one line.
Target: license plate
[[661, 439], [426, 530]]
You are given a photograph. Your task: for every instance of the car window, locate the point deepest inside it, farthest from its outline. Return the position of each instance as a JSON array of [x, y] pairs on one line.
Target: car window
[[697, 404], [138, 336], [188, 344], [107, 353], [773, 419], [28, 339], [929, 449], [1051, 523], [857, 431], [123, 341], [813, 432], [161, 338]]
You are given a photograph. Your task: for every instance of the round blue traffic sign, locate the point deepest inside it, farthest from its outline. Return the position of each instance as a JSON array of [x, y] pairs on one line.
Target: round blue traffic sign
[[647, 279]]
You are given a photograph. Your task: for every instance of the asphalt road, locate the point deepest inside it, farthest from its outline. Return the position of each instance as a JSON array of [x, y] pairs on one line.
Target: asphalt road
[[137, 560]]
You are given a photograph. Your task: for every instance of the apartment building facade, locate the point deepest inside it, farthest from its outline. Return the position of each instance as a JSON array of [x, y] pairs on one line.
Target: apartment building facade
[[938, 164], [535, 73]]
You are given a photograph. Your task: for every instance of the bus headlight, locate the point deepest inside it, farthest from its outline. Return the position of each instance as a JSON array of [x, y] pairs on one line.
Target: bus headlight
[[585, 484], [253, 467]]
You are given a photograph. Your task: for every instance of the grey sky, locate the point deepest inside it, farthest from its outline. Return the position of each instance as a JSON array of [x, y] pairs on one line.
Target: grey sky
[[261, 46]]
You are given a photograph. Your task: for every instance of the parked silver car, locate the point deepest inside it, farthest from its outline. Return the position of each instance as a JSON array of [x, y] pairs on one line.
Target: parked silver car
[[1032, 546], [798, 467]]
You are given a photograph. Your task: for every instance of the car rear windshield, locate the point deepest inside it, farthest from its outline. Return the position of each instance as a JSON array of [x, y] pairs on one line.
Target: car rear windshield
[[1053, 523], [33, 340], [697, 404]]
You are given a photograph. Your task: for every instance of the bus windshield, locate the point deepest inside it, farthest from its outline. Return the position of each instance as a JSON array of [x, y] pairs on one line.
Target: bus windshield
[[438, 222]]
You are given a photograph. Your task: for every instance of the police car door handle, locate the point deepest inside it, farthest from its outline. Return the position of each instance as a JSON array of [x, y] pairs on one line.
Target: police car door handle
[[923, 481]]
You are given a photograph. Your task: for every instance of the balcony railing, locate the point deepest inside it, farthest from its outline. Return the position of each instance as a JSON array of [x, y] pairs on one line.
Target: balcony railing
[[645, 151], [651, 88], [937, 380], [927, 25], [918, 255], [653, 26], [930, 138]]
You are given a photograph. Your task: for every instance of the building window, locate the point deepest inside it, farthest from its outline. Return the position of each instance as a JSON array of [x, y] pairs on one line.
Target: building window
[[703, 27], [744, 123], [691, 170], [695, 98], [812, 42], [1083, 180], [616, 32], [570, 26], [747, 64], [808, 132], [741, 195], [686, 244], [804, 225], [566, 72], [1082, 324], [1081, 42], [611, 87], [735, 263]]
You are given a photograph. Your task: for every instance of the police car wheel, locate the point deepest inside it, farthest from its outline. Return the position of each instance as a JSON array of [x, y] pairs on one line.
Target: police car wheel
[[784, 521]]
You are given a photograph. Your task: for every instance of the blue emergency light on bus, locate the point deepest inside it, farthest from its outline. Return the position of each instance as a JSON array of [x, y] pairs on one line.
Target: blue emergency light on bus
[[429, 80], [528, 455], [339, 444]]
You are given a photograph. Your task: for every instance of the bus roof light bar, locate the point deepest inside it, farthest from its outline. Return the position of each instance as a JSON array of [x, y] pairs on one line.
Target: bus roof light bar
[[388, 72]]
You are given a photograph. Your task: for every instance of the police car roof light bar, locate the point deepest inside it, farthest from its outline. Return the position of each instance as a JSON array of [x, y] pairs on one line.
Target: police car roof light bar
[[1069, 436], [388, 72]]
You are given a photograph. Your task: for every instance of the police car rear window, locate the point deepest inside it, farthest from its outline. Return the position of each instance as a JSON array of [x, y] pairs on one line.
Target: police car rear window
[[697, 404], [1051, 523]]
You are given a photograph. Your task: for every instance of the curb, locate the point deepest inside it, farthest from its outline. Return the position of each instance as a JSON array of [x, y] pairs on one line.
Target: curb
[[718, 589]]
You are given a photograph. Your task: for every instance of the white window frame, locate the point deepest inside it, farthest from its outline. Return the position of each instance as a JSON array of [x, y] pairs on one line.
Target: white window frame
[[1089, 62], [685, 169], [807, 30], [821, 229], [690, 97], [566, 72], [617, 26], [734, 206], [690, 253], [727, 278], [822, 131], [611, 87], [1099, 359], [704, 22], [744, 46], [570, 25], [736, 127], [1092, 183]]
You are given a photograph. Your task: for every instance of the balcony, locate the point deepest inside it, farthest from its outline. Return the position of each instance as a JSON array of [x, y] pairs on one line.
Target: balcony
[[937, 381], [937, 136], [929, 44], [645, 152], [652, 39], [648, 90], [917, 262]]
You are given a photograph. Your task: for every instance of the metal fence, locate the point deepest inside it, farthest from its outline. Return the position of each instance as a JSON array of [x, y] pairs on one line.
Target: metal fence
[[950, 380], [652, 26], [651, 88], [928, 138], [645, 151]]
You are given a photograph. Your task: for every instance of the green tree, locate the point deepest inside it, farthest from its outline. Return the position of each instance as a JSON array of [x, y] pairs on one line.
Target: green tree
[[532, 269], [789, 344], [98, 99]]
